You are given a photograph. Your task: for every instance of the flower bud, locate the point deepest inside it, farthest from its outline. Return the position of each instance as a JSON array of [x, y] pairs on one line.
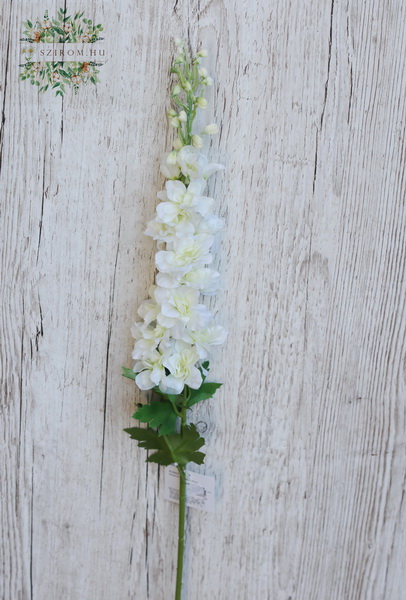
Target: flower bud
[[203, 53], [182, 116], [211, 129], [208, 81], [197, 141], [187, 87], [171, 158], [201, 102], [203, 72], [177, 144], [175, 122], [176, 90], [171, 113]]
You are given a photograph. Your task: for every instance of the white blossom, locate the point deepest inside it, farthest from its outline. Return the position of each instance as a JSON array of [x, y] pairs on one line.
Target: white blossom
[[206, 280], [181, 304], [150, 371], [182, 369], [188, 252], [177, 332], [204, 339], [194, 165]]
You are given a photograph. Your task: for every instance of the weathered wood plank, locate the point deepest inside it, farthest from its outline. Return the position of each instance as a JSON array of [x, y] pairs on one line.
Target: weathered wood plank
[[306, 438]]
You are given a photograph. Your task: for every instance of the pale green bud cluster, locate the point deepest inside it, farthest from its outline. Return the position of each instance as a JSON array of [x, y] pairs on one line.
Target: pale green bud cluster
[[188, 95]]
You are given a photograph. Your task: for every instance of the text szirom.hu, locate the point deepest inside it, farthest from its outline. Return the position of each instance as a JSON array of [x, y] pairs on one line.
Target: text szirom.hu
[[65, 52]]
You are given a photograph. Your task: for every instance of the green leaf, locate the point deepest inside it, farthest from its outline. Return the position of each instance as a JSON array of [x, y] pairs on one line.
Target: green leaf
[[29, 24], [175, 398], [176, 448], [206, 390], [158, 414], [128, 373]]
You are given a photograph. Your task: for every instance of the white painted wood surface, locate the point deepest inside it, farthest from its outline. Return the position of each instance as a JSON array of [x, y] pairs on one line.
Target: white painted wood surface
[[306, 438]]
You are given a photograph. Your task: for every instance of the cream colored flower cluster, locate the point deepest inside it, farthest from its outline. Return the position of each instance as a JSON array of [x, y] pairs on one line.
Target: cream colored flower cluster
[[177, 331]]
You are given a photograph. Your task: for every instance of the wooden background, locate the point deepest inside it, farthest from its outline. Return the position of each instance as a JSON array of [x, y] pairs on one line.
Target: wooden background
[[306, 438]]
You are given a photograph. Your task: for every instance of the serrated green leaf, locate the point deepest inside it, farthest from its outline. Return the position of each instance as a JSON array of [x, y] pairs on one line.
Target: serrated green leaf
[[206, 391], [176, 448], [128, 373], [158, 414]]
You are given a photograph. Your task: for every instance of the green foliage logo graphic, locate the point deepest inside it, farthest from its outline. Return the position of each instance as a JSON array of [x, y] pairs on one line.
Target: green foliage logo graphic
[[64, 29]]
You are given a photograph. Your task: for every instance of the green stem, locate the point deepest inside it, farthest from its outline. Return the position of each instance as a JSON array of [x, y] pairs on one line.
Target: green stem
[[181, 521]]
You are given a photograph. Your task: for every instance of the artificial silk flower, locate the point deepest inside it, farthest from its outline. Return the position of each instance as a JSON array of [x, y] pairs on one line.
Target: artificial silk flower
[[206, 280], [182, 303], [205, 338], [150, 371], [187, 253], [177, 333], [182, 369], [182, 220], [143, 348], [194, 164], [211, 224], [149, 311], [190, 196]]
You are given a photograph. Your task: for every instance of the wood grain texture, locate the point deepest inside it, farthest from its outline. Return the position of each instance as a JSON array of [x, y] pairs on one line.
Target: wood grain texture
[[307, 437]]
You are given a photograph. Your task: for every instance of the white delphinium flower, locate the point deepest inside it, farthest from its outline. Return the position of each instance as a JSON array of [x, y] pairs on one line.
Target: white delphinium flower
[[161, 232], [149, 309], [181, 364], [150, 371], [177, 331], [195, 165], [188, 197], [205, 338], [188, 252], [148, 338], [181, 304], [211, 224], [206, 280]]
